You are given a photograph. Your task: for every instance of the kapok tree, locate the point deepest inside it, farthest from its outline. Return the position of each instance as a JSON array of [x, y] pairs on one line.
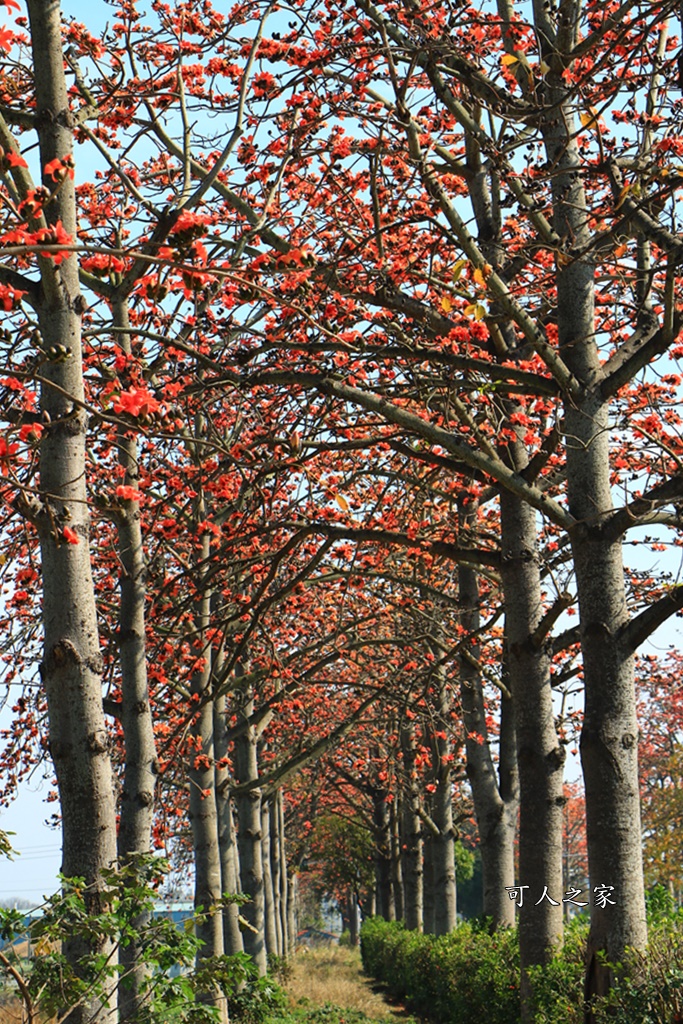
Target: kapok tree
[[71, 666], [501, 349], [578, 190]]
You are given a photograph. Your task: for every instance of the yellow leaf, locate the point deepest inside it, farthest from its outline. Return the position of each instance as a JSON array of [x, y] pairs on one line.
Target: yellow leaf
[[476, 310], [478, 277], [621, 250], [342, 502], [3, 559], [544, 68], [509, 58], [458, 269], [446, 303], [589, 120], [622, 195]]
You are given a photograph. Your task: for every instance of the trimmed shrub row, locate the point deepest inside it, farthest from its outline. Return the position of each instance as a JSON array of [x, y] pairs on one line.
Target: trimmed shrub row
[[456, 979], [471, 975]]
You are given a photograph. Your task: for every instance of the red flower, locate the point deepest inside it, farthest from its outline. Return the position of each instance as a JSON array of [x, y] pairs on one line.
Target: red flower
[[9, 297], [6, 39], [55, 235], [70, 535], [31, 432], [264, 84], [6, 451], [60, 168], [128, 493], [136, 402], [15, 159]]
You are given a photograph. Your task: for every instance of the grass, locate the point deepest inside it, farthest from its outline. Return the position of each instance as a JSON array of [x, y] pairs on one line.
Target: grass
[[12, 1009], [332, 977]]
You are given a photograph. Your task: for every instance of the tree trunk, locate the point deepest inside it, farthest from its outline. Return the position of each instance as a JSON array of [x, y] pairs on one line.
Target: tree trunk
[[249, 839], [227, 837], [203, 807], [270, 928], [396, 860], [72, 664], [276, 847], [609, 738], [382, 829], [443, 838], [540, 756], [443, 859], [411, 834], [428, 894], [352, 915], [140, 766], [283, 886], [495, 800], [292, 928]]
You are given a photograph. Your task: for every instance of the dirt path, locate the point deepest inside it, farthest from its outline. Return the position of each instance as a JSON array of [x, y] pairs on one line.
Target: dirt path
[[334, 975]]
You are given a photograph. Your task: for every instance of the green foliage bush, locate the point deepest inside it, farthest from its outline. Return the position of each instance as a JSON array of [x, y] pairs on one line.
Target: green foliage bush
[[257, 1001], [472, 975], [457, 978], [558, 987], [174, 983]]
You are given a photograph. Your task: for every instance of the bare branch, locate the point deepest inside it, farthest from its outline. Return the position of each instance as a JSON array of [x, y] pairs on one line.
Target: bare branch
[[643, 625]]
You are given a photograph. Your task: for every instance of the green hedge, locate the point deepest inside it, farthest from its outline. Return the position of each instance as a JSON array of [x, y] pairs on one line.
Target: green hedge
[[471, 975], [458, 978]]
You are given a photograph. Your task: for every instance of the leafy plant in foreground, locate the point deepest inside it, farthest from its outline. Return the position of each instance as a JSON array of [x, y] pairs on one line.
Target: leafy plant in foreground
[[173, 988]]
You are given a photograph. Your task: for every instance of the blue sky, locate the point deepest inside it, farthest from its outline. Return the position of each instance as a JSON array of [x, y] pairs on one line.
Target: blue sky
[[33, 874]]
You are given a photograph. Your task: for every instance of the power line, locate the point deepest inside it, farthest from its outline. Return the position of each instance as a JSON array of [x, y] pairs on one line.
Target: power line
[[41, 846], [15, 892]]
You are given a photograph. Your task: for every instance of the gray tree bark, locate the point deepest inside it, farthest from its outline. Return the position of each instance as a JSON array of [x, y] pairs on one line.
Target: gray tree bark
[[278, 867], [442, 840], [428, 894], [227, 836], [496, 799], [381, 821], [249, 838], [352, 916], [396, 859], [609, 738], [72, 664], [292, 926], [540, 756], [443, 859], [202, 780], [140, 764], [270, 926], [411, 831]]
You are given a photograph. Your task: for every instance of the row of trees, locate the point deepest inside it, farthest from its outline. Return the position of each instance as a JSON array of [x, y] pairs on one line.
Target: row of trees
[[337, 377]]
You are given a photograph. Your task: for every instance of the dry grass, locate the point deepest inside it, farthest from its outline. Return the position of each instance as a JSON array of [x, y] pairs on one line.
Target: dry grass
[[330, 974], [333, 974], [11, 1010]]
